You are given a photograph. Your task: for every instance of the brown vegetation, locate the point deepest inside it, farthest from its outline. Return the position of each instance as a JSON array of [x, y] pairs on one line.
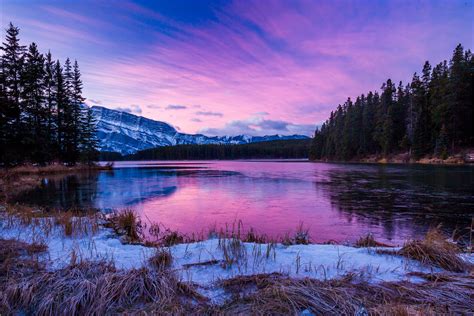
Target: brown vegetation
[[280, 295], [96, 289], [162, 258], [436, 250], [72, 222], [369, 241], [82, 287], [127, 223]]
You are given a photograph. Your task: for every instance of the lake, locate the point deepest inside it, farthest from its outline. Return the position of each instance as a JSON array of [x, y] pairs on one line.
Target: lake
[[337, 202]]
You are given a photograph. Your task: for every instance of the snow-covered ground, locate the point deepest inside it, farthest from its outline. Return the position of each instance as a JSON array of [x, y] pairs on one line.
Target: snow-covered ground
[[316, 261]]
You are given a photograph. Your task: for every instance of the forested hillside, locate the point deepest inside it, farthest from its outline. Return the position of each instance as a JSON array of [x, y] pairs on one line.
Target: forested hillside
[[279, 149], [430, 116], [42, 118]]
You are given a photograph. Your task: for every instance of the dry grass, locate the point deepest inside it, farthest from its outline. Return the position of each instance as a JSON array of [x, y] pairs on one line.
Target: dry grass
[[96, 289], [127, 223], [434, 249], [18, 258], [254, 237], [99, 288], [301, 237], [162, 258], [232, 250], [171, 238], [72, 222], [369, 241], [85, 288], [279, 295]]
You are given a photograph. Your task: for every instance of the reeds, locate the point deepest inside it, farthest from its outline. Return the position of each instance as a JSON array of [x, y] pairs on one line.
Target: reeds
[[127, 223]]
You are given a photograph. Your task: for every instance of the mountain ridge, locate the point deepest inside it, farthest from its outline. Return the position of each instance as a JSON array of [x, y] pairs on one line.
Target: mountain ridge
[[126, 133]]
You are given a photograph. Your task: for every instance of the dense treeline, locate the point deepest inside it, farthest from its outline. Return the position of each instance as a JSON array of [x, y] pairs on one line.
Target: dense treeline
[[278, 149], [42, 117], [433, 115]]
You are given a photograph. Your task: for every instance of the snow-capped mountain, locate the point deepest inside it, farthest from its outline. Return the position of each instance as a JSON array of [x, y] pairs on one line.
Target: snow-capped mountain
[[127, 133]]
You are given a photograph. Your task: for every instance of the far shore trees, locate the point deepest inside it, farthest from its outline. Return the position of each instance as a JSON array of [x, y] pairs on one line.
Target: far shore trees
[[433, 115], [42, 115]]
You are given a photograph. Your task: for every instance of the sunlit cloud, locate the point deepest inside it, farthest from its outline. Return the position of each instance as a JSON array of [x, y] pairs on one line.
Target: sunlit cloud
[[133, 109], [209, 113], [176, 107], [258, 126]]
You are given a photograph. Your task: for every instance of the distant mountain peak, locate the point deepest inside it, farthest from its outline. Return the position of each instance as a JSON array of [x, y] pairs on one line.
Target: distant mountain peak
[[127, 133]]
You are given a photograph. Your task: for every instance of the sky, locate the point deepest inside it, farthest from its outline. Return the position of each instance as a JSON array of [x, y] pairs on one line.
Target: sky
[[249, 66]]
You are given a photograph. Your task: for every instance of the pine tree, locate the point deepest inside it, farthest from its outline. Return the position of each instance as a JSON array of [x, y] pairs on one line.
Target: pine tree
[[421, 117], [441, 149], [460, 117], [35, 115], [11, 69], [60, 100], [50, 104], [77, 103], [89, 142], [69, 123], [41, 107]]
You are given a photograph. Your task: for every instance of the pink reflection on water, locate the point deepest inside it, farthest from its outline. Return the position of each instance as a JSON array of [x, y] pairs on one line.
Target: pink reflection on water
[[272, 197]]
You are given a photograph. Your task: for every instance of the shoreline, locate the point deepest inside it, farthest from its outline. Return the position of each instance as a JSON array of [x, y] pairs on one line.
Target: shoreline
[[385, 161], [221, 271]]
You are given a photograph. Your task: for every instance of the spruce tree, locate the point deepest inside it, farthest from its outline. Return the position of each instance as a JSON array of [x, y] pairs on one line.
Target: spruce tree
[[35, 115], [11, 69], [60, 100], [50, 103]]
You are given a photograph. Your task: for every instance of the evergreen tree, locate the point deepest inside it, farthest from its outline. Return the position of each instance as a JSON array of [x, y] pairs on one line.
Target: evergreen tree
[[12, 67], [42, 116], [421, 118], [89, 142], [50, 103], [35, 115], [460, 107], [80, 118], [60, 100]]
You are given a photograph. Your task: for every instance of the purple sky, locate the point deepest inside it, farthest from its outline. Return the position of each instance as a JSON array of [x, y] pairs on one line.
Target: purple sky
[[232, 67]]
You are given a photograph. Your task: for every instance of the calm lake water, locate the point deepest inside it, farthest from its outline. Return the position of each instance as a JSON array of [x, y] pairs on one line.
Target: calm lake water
[[335, 201]]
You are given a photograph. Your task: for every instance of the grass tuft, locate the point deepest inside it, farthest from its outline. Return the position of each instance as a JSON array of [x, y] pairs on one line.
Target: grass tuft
[[127, 223], [369, 241], [161, 259], [436, 250]]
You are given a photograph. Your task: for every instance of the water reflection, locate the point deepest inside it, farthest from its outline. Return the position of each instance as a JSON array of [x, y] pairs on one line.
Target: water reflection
[[336, 201], [403, 197]]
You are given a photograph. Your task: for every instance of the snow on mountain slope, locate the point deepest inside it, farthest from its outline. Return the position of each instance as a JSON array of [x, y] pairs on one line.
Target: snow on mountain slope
[[127, 133]]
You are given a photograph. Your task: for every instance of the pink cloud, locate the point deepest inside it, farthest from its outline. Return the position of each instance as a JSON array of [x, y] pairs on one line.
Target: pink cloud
[[295, 60]]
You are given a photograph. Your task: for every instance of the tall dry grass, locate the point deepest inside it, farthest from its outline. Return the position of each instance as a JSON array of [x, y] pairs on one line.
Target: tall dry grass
[[276, 294], [127, 223], [434, 249], [86, 288]]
